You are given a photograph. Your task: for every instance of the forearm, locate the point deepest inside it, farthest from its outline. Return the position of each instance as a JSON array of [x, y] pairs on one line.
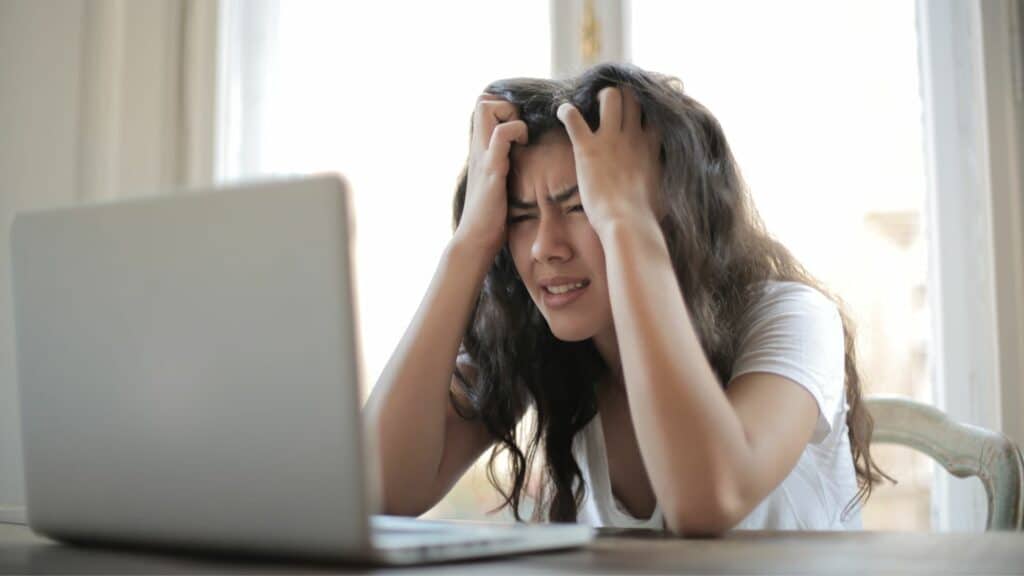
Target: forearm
[[691, 440], [408, 405]]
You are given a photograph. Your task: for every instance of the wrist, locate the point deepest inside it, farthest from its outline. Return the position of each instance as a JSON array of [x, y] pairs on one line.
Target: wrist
[[628, 225], [479, 254]]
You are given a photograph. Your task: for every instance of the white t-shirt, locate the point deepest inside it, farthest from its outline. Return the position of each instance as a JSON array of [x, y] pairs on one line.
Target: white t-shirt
[[796, 332]]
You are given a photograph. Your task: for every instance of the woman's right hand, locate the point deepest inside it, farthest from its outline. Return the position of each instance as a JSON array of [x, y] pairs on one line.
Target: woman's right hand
[[496, 125]]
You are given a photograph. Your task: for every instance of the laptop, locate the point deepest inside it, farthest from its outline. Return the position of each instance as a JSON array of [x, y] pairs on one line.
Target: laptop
[[189, 378]]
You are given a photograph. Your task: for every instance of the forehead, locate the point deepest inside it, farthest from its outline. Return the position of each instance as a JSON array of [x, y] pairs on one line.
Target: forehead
[[543, 167]]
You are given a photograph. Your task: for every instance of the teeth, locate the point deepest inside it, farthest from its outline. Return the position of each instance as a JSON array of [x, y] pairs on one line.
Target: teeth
[[562, 289]]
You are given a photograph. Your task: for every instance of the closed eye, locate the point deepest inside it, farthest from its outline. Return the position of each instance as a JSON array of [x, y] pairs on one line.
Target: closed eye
[[520, 218], [523, 217]]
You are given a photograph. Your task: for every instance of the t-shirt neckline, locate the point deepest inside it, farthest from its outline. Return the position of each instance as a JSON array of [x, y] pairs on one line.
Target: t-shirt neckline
[[600, 462]]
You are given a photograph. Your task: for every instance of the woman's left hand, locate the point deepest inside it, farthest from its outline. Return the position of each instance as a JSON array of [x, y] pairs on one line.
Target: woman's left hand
[[617, 167]]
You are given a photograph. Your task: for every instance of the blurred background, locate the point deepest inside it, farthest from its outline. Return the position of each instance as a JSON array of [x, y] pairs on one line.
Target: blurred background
[[880, 140]]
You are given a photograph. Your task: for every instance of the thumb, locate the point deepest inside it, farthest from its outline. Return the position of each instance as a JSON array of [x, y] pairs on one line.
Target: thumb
[[574, 123]]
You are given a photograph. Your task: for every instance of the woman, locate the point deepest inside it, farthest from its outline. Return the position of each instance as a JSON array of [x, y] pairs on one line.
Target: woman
[[609, 270]]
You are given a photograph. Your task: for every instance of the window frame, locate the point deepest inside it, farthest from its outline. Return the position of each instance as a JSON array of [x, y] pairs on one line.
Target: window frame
[[972, 83], [972, 98]]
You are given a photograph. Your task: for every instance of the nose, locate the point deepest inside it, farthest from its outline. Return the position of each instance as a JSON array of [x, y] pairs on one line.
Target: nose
[[551, 242]]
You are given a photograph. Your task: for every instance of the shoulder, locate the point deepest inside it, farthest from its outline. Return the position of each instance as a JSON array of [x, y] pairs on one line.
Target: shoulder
[[792, 307], [793, 330], [774, 296]]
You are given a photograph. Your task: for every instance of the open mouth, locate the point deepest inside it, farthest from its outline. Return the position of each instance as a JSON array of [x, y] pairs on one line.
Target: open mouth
[[563, 293], [566, 288]]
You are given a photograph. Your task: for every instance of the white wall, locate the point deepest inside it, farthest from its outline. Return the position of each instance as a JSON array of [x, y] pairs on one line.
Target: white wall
[[40, 42]]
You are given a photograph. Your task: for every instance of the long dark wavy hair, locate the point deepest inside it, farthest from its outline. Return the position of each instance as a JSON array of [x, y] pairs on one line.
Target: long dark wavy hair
[[721, 254]]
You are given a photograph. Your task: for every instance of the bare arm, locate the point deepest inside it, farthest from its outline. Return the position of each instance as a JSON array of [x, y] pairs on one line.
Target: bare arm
[[425, 446], [711, 455]]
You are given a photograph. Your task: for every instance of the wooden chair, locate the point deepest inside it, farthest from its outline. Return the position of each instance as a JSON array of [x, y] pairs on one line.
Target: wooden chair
[[962, 449]]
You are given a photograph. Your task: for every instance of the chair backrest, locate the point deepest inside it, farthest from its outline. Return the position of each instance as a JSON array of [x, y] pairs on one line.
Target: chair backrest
[[962, 449]]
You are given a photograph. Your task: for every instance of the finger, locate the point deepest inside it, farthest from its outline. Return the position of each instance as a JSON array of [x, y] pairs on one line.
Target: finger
[[488, 114], [496, 111], [610, 99], [505, 134], [574, 123], [487, 101], [485, 97], [630, 109]]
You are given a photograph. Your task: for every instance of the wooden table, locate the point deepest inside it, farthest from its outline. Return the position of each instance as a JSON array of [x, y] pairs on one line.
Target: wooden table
[[617, 552]]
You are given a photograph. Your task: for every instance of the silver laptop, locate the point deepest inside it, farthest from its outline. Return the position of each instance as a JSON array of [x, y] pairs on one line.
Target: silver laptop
[[189, 377]]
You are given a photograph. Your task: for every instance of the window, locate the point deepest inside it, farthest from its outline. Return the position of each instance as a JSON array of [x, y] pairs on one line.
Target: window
[[820, 102], [368, 90], [826, 127]]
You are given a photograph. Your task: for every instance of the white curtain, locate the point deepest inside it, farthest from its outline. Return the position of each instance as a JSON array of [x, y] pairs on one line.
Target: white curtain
[[101, 99]]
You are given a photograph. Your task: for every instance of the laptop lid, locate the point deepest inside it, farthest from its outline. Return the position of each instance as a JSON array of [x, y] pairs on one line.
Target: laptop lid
[[188, 370]]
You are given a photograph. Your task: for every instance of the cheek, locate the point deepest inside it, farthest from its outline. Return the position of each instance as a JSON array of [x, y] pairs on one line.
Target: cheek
[[589, 247], [519, 248]]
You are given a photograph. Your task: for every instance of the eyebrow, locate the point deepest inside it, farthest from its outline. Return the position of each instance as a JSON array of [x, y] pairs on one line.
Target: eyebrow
[[556, 199]]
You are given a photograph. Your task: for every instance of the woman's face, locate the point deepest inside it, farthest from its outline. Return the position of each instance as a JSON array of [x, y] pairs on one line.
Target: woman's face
[[556, 252]]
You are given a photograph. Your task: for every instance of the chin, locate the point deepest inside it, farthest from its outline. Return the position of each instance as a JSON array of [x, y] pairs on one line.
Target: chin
[[571, 331]]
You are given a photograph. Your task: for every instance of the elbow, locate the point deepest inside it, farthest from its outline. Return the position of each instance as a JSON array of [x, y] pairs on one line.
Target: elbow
[[389, 509], [402, 507], [710, 516]]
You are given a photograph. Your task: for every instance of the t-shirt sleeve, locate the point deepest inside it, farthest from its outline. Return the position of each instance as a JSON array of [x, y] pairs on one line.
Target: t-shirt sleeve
[[796, 332]]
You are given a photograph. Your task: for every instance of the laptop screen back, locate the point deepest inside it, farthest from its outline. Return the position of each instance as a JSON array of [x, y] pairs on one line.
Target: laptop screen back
[[188, 370]]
